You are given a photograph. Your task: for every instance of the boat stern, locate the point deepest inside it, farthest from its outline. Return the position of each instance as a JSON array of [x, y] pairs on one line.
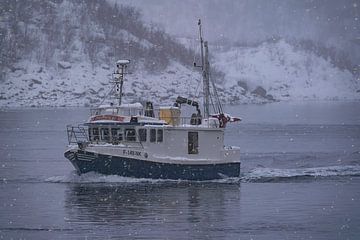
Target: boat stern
[[231, 154]]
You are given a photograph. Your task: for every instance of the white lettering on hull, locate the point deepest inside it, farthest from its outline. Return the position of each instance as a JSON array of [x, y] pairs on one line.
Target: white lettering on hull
[[131, 153]]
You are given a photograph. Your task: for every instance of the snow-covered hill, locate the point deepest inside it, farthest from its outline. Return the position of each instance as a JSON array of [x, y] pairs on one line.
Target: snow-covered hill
[[80, 84], [63, 53], [271, 71], [285, 73]]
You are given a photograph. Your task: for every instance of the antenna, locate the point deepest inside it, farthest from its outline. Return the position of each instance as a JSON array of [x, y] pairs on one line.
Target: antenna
[[121, 66]]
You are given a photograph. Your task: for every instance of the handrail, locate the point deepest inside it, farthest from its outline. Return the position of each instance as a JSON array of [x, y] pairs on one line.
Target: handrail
[[192, 121], [77, 134]]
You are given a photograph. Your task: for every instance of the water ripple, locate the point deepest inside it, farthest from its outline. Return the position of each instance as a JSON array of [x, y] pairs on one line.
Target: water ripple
[[263, 174]]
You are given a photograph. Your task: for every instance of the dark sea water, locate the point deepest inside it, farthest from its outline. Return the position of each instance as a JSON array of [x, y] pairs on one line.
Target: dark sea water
[[300, 180]]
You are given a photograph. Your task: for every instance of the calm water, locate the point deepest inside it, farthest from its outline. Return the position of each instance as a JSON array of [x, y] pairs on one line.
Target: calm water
[[300, 180]]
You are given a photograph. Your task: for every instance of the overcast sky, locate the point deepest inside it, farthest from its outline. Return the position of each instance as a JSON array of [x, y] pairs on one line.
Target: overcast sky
[[333, 22]]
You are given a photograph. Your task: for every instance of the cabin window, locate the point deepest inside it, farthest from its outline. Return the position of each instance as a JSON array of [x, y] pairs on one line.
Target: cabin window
[[105, 135], [152, 135], [95, 134], [160, 135], [116, 134], [142, 134], [193, 143], [130, 135]]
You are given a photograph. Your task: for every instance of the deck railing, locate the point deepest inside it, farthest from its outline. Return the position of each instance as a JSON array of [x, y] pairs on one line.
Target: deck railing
[[77, 134], [192, 122]]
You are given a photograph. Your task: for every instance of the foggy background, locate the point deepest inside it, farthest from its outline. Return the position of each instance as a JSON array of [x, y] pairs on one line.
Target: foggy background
[[331, 22]]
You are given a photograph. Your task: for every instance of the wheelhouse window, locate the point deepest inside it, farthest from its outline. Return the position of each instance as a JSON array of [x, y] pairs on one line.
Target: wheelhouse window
[[130, 134], [152, 135], [142, 134], [116, 134], [105, 134], [95, 134], [193, 143], [160, 135]]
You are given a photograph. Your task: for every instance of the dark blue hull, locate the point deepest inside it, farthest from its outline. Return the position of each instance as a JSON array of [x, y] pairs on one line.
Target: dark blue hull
[[128, 167]]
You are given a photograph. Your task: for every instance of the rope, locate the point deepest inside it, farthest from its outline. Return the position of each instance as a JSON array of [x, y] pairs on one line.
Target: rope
[[216, 95], [112, 88]]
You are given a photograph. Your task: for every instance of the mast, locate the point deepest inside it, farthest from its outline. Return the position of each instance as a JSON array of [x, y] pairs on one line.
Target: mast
[[119, 78], [206, 81], [205, 67]]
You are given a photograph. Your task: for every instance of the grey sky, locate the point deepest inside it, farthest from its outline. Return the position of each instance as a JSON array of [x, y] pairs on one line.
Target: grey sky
[[332, 22]]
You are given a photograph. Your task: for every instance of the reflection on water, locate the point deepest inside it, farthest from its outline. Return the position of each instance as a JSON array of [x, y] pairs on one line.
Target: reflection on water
[[153, 209]]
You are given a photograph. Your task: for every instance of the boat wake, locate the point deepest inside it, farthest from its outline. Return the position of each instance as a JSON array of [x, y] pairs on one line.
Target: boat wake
[[262, 174], [93, 177], [275, 174]]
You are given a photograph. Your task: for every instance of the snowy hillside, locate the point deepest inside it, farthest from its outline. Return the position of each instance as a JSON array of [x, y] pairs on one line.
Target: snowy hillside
[[80, 84], [285, 73], [271, 71], [62, 53]]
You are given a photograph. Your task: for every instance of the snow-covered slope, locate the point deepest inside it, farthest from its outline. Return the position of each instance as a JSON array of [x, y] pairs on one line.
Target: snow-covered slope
[[80, 84], [268, 72], [63, 53], [286, 73]]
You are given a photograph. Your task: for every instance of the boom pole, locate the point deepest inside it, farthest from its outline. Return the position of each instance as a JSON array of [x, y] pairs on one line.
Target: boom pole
[[205, 67]]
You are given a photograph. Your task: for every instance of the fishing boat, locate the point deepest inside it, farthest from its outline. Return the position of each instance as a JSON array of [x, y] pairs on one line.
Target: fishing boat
[[140, 141]]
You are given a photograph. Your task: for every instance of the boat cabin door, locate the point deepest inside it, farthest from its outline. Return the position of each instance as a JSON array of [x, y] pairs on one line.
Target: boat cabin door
[[193, 143]]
